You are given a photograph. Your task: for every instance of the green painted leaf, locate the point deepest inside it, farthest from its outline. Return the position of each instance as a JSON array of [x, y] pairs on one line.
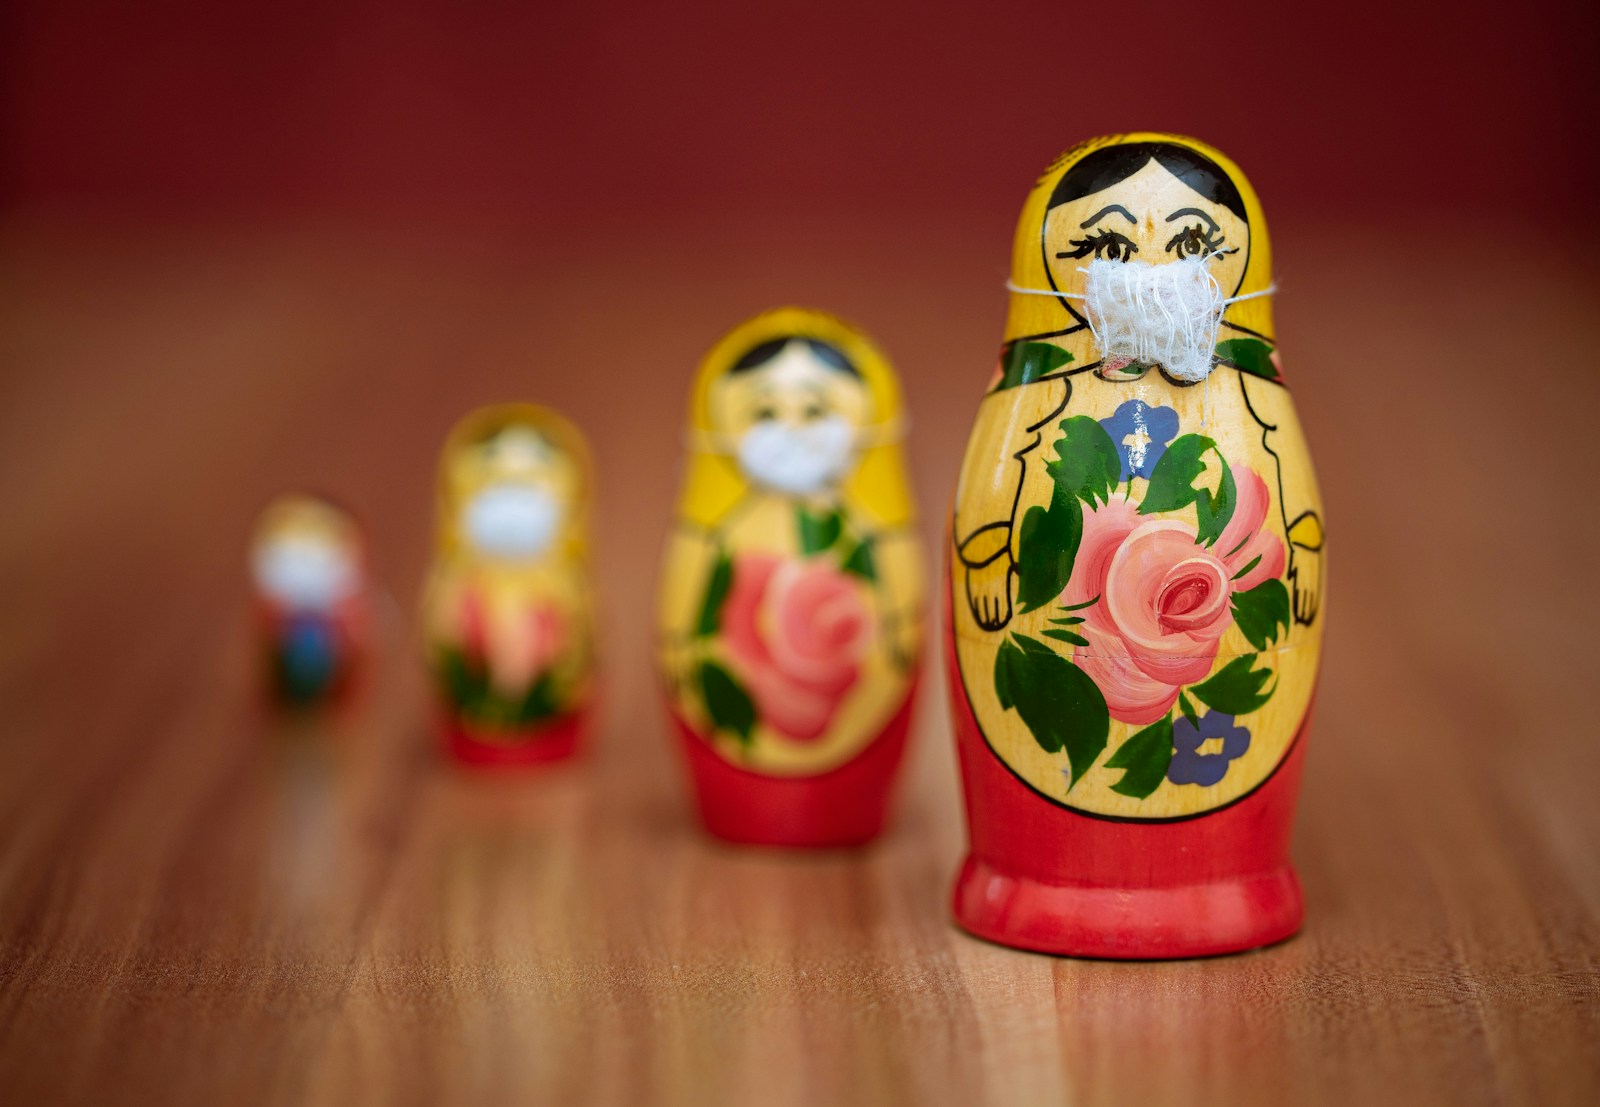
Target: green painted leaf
[[860, 562], [717, 585], [1026, 362], [1146, 756], [467, 687], [1006, 663], [1046, 550], [1080, 606], [1065, 636], [461, 682], [1262, 613], [728, 704], [1188, 710], [541, 702], [1236, 688], [1251, 355], [1172, 486], [1056, 700], [1172, 481], [1088, 464], [818, 532], [1085, 470]]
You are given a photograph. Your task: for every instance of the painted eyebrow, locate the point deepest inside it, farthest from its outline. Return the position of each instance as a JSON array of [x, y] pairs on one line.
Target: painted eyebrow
[[1105, 211], [1181, 212]]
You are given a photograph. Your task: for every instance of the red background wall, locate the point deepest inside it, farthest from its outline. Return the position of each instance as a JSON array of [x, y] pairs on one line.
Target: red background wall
[[483, 114]]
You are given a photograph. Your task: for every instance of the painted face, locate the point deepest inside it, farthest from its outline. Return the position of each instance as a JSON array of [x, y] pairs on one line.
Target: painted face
[[1154, 262], [796, 419], [304, 556], [1151, 217], [514, 489]]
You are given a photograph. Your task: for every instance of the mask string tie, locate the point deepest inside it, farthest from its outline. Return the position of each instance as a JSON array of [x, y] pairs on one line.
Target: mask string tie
[[1013, 286], [1177, 324], [866, 437]]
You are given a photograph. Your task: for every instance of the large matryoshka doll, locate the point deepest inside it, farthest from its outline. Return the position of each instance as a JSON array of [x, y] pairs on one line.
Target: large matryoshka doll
[[790, 614], [1133, 602], [508, 612], [313, 605]]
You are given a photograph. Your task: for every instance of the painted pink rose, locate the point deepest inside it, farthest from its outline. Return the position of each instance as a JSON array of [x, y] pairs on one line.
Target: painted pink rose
[[796, 632], [1165, 601], [516, 647]]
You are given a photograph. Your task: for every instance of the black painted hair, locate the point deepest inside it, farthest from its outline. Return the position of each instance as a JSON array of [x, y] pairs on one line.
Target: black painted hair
[[1110, 164], [828, 354]]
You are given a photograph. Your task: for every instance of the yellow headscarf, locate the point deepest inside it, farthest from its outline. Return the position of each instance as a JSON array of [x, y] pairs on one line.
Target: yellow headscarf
[[1035, 315], [304, 514], [714, 483]]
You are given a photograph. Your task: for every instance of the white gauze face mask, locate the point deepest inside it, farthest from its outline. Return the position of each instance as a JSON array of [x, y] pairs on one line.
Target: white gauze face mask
[[304, 574], [1167, 313], [511, 520], [798, 460]]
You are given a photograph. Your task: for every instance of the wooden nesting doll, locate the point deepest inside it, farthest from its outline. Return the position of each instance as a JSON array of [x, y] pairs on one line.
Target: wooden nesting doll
[[313, 610], [507, 612], [1133, 608], [790, 623]]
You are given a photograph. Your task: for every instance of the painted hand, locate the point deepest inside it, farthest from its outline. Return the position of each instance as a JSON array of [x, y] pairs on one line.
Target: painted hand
[[986, 553], [1305, 567]]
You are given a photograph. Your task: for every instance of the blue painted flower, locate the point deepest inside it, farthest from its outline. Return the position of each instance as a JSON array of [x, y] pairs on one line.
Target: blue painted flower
[[307, 657], [1189, 765], [1141, 433]]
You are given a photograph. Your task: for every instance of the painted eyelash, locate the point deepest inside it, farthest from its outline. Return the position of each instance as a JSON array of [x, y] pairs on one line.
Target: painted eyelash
[[1107, 243], [1198, 241]]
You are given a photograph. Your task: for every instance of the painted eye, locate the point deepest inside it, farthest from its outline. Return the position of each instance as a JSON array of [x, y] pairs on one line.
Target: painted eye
[[1196, 242], [765, 414], [813, 412], [1107, 244]]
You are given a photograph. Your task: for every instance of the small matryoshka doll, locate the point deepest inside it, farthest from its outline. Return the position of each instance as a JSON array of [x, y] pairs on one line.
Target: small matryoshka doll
[[507, 612], [791, 593], [308, 565], [1135, 558]]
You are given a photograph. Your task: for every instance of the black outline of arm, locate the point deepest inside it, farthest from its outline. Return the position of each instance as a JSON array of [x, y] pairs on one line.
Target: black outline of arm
[[996, 617], [1307, 614]]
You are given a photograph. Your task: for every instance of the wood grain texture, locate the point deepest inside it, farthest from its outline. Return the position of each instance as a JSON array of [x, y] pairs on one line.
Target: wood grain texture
[[202, 904]]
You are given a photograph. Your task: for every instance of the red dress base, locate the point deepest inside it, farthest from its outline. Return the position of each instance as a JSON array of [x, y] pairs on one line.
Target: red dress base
[[1042, 877], [1199, 920], [555, 740], [845, 806]]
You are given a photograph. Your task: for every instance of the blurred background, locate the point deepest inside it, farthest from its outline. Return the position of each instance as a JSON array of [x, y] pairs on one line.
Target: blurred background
[[485, 117]]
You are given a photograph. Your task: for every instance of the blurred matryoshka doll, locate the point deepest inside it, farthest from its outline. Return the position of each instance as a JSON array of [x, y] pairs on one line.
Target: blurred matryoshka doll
[[791, 592], [507, 612], [1135, 573], [308, 564]]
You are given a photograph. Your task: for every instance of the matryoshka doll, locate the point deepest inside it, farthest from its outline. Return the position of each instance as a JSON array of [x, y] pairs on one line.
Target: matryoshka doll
[[790, 601], [313, 609], [1135, 572], [508, 612]]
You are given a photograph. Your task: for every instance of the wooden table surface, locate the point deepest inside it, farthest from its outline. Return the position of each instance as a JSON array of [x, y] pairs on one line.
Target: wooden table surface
[[201, 904]]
